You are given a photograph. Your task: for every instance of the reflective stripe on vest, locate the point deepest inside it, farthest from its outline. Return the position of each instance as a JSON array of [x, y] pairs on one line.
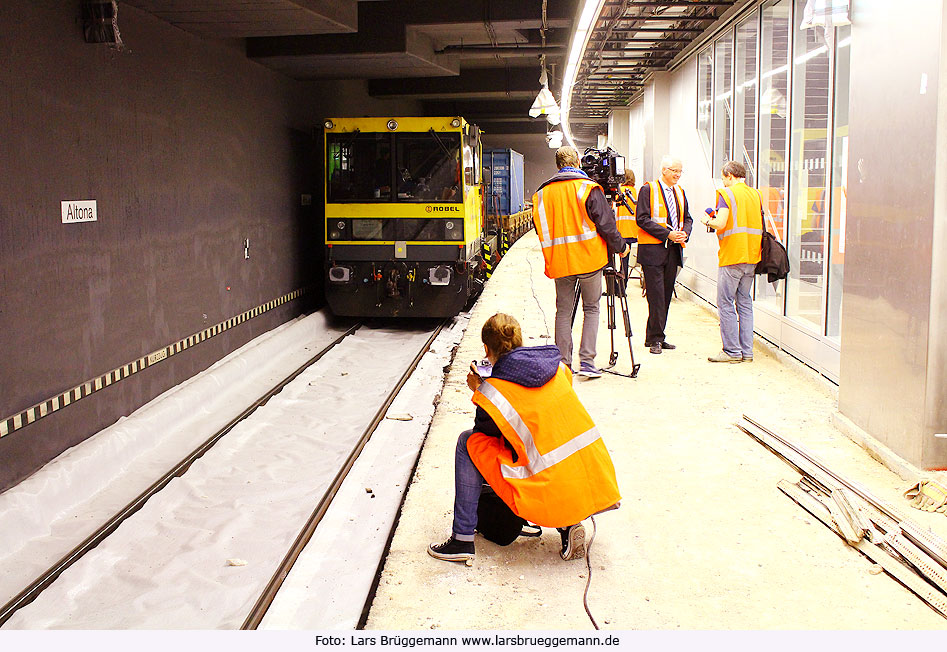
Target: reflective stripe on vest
[[576, 247], [535, 462], [625, 219], [659, 212], [739, 242], [550, 466]]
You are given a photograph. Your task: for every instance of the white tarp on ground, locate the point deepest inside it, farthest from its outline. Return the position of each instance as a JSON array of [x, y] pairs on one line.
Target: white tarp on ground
[[52, 511], [285, 454]]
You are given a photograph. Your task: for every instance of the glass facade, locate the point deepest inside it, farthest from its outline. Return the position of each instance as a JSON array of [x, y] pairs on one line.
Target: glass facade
[[780, 107], [774, 141], [809, 145], [744, 103], [839, 183], [705, 99], [723, 100]]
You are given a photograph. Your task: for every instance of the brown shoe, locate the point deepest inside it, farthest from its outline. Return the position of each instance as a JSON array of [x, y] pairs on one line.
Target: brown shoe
[[655, 348]]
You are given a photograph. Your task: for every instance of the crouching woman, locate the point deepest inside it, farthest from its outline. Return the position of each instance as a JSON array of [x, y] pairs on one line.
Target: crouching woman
[[533, 442]]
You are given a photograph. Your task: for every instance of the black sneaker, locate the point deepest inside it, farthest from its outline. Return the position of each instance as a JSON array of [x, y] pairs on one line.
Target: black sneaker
[[573, 542], [452, 550]]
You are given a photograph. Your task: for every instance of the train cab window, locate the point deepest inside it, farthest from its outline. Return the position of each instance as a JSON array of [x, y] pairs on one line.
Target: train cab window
[[427, 167], [359, 167], [472, 163]]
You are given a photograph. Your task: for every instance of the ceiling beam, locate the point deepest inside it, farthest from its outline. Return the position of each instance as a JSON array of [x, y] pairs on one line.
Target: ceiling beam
[[472, 83]]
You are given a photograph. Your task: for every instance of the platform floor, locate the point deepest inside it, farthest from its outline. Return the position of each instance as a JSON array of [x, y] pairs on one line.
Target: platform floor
[[703, 540]]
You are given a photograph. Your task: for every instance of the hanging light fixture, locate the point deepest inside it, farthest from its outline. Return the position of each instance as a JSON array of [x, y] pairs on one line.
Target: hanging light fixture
[[545, 103], [554, 139]]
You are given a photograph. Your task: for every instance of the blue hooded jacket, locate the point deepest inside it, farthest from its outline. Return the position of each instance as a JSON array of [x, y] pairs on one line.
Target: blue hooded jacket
[[529, 366]]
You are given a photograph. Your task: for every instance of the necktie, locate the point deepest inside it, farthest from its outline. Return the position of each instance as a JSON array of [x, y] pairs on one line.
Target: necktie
[[672, 208]]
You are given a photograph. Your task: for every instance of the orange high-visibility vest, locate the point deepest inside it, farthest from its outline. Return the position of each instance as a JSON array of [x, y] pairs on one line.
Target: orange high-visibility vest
[[659, 212], [741, 237], [625, 218], [570, 243], [562, 473]]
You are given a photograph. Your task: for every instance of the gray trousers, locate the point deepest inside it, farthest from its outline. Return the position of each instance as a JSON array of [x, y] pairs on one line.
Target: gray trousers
[[590, 287]]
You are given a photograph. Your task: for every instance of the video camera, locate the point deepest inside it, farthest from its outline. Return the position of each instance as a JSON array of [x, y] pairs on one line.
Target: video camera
[[606, 168]]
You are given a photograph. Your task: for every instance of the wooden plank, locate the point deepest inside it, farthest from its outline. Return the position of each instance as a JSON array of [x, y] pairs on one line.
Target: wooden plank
[[904, 574], [842, 518], [850, 526]]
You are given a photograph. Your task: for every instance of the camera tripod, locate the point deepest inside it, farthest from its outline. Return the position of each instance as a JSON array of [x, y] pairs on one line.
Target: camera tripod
[[614, 288], [615, 285]]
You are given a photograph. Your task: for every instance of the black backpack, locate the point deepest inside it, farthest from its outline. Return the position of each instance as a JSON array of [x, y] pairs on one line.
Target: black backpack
[[774, 261], [495, 520]]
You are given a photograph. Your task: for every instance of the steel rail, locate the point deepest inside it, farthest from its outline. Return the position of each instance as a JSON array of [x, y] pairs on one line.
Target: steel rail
[[266, 598], [50, 575], [928, 542]]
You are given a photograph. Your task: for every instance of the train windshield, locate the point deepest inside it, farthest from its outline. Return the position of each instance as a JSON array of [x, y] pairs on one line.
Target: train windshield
[[402, 167]]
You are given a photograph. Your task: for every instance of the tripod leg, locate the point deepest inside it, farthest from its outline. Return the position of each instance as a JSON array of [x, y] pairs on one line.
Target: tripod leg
[[610, 304], [631, 351]]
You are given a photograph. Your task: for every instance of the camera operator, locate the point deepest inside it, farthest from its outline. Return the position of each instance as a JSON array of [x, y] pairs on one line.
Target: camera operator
[[576, 228], [664, 225]]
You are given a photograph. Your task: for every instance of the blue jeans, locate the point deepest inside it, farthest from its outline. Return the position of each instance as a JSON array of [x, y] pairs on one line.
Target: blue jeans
[[467, 486], [735, 307]]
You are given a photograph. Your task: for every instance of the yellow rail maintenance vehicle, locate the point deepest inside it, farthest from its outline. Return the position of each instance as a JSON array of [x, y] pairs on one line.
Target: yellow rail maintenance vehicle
[[404, 216]]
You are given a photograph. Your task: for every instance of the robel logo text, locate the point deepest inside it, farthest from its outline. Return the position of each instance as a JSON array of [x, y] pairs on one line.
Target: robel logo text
[[442, 209]]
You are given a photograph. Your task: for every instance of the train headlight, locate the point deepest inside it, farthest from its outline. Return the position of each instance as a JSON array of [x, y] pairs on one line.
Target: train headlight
[[455, 123], [392, 125], [338, 230], [439, 275], [340, 274], [328, 124], [454, 230]]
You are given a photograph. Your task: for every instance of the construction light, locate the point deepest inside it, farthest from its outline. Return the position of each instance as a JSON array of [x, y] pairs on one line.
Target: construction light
[[392, 125], [545, 103], [328, 124]]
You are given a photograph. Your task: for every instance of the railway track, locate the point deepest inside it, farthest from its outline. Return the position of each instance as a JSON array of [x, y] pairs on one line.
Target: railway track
[[67, 577]]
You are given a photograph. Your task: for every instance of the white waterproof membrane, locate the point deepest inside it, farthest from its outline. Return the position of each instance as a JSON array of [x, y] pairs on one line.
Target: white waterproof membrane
[[199, 553]]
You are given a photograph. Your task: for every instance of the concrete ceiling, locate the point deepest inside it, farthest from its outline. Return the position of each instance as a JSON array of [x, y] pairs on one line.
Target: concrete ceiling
[[476, 58]]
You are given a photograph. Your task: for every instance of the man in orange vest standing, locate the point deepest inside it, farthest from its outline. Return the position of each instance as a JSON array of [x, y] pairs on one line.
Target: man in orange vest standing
[[738, 222], [576, 228], [664, 225]]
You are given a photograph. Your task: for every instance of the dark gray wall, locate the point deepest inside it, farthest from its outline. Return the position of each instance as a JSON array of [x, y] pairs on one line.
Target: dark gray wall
[[189, 149], [892, 367]]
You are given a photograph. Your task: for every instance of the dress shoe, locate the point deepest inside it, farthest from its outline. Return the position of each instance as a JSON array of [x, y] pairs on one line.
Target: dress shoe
[[667, 345], [655, 348]]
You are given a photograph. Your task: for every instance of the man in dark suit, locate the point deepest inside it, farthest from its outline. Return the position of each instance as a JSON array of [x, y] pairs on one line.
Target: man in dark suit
[[664, 225]]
